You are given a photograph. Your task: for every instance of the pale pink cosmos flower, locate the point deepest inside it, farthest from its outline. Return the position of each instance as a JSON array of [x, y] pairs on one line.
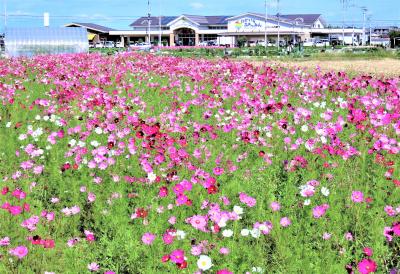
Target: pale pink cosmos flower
[[5, 241], [285, 222], [19, 251], [224, 251], [94, 267], [148, 238], [275, 206]]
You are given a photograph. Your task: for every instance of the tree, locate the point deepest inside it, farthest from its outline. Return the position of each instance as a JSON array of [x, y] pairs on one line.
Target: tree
[[242, 40], [394, 38]]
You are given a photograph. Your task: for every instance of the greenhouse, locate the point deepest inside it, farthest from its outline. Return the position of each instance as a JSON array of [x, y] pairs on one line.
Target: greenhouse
[[37, 41]]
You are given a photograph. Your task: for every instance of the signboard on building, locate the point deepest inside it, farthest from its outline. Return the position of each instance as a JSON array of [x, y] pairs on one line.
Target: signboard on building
[[250, 23]]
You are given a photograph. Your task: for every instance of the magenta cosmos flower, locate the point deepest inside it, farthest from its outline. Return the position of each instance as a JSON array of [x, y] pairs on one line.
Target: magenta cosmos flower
[[320, 210], [148, 238], [177, 256], [357, 197], [19, 251], [367, 266]]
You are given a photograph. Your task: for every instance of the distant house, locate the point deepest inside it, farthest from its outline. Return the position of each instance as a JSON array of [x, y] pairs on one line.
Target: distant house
[[96, 33]]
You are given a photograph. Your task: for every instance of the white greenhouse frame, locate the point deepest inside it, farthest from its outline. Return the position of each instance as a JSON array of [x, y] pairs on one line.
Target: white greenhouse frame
[[37, 41]]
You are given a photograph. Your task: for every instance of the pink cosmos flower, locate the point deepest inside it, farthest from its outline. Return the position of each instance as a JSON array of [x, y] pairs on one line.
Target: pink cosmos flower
[[320, 210], [224, 271], [177, 256], [246, 199], [367, 266], [275, 206], [94, 267], [91, 197], [285, 222], [15, 210], [148, 238], [196, 250], [368, 251], [224, 250], [5, 241], [326, 236], [357, 196], [172, 220], [199, 222], [218, 171], [396, 229], [168, 238], [19, 251]]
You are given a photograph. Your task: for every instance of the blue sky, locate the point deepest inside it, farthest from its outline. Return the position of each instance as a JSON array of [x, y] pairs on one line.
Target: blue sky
[[120, 13]]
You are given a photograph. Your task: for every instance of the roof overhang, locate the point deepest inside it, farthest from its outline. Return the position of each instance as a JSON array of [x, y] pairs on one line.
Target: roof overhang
[[83, 26], [180, 18]]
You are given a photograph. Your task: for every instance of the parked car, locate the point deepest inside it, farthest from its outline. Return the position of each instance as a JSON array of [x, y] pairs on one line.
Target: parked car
[[99, 45], [109, 44], [203, 44], [144, 46], [119, 44], [322, 43], [309, 43]]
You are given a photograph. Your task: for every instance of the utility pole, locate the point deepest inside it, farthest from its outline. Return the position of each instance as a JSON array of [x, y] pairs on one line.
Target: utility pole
[[279, 26], [370, 29], [160, 33], [364, 9], [265, 27], [148, 22], [344, 4]]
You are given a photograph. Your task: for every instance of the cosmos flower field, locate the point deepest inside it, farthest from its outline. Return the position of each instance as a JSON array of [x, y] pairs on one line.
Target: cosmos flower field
[[137, 163]]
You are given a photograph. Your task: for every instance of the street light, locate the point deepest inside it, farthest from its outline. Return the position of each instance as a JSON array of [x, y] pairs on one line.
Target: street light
[[279, 25]]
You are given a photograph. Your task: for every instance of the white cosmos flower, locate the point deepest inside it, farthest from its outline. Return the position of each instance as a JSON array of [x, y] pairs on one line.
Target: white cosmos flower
[[238, 210], [204, 262], [222, 223], [304, 128], [325, 191], [255, 233], [307, 202], [8, 124], [245, 232], [98, 130], [180, 234], [227, 233], [95, 143], [151, 176]]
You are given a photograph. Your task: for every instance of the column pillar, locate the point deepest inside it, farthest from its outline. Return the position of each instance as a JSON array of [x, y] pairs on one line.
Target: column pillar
[[172, 40], [197, 40]]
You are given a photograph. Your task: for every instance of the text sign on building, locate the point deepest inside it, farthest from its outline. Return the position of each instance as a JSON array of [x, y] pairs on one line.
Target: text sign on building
[[253, 24]]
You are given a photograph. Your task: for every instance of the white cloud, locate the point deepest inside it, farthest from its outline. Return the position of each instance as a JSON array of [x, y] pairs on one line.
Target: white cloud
[[197, 5]]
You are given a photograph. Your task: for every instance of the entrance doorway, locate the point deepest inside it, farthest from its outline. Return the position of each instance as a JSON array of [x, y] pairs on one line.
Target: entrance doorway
[[185, 37]]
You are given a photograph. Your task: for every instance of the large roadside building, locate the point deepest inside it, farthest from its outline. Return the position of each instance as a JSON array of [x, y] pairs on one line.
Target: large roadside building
[[190, 30]]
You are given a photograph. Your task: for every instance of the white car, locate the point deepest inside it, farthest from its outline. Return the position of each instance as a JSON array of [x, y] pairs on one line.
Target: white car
[[99, 45], [109, 44], [119, 44], [322, 43]]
